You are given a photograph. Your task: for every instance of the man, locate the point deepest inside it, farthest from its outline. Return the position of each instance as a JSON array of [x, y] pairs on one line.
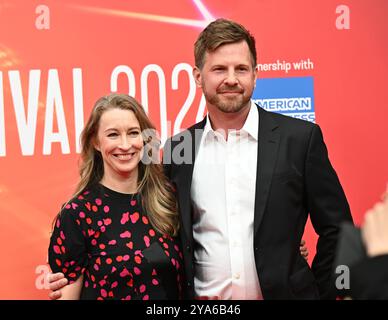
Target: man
[[246, 181], [243, 220]]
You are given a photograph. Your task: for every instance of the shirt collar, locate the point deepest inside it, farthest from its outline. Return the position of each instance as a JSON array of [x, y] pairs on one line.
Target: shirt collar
[[251, 125]]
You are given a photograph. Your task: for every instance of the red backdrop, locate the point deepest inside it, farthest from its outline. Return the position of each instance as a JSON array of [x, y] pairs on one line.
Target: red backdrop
[[56, 60]]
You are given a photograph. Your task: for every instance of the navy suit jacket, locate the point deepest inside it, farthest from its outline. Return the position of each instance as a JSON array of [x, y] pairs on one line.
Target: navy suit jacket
[[294, 179]]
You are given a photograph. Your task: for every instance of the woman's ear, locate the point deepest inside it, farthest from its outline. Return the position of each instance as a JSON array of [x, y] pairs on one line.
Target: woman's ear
[[96, 145]]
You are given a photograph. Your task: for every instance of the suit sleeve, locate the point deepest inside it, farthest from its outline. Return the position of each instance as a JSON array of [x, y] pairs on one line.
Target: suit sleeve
[[328, 208]]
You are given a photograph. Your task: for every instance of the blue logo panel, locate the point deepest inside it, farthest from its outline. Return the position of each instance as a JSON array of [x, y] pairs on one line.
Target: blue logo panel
[[292, 96]]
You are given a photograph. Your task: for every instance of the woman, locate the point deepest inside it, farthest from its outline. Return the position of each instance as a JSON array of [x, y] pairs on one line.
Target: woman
[[115, 239]]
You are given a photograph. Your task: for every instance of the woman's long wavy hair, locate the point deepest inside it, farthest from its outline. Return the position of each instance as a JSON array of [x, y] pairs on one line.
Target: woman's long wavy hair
[[157, 196]]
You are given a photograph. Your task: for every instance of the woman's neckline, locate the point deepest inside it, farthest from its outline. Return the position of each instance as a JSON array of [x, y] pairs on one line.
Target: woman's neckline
[[116, 193]]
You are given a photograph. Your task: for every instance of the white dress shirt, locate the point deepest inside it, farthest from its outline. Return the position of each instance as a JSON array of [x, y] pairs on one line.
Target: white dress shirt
[[223, 198]]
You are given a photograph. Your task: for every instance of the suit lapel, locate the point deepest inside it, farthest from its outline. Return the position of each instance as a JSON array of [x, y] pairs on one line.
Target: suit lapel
[[269, 140], [185, 176]]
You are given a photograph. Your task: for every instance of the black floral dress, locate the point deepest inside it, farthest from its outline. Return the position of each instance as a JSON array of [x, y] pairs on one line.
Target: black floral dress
[[107, 237]]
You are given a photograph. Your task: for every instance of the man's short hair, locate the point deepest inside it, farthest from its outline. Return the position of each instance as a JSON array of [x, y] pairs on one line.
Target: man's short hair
[[218, 33]]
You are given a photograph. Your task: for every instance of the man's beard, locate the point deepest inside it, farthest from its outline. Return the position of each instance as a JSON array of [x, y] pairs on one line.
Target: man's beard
[[228, 104]]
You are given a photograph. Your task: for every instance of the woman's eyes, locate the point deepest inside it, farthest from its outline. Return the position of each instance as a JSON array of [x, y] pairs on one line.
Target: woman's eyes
[[131, 133], [113, 134]]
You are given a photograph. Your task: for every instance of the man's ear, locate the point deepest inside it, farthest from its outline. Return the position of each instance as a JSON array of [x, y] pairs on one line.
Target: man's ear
[[197, 77]]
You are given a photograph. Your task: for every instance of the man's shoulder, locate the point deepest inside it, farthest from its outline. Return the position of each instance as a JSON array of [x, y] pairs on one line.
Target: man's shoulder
[[195, 129], [287, 124], [286, 120]]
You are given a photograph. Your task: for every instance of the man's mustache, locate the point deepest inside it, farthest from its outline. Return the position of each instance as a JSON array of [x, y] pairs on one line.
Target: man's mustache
[[230, 89]]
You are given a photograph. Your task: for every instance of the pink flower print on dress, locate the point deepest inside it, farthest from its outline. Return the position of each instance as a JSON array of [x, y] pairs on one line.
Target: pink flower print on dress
[[125, 234], [103, 293], [147, 241], [124, 273], [107, 221], [137, 270], [124, 218], [134, 217]]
